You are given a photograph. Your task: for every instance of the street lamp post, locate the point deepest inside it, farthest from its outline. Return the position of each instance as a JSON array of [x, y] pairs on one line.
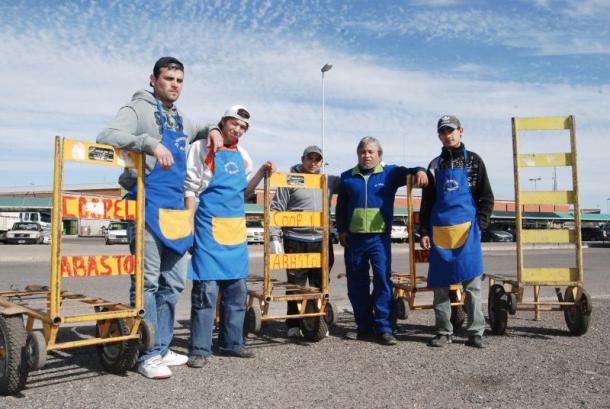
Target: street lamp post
[[324, 69], [535, 180]]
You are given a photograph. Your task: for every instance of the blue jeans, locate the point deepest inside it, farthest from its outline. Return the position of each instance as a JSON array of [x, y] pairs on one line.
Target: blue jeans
[[363, 253], [233, 295], [164, 280]]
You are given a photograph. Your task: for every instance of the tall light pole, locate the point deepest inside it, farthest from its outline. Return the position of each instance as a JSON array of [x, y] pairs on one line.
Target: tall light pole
[[607, 200], [535, 180], [324, 69]]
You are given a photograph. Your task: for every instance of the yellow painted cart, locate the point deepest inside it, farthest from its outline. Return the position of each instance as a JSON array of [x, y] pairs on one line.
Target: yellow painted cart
[[506, 295], [315, 311], [407, 285], [121, 331]]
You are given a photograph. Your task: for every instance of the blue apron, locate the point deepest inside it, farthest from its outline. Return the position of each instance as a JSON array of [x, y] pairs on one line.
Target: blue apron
[[221, 247], [455, 253], [165, 213]]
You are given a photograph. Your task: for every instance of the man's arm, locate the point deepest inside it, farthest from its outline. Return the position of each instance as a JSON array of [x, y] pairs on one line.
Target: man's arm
[[258, 176], [400, 173], [211, 133], [341, 216], [279, 203], [427, 201], [121, 133], [483, 197]]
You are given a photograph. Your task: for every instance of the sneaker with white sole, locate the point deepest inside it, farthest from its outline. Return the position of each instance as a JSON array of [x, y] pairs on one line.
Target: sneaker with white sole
[[174, 359], [294, 332], [154, 368]]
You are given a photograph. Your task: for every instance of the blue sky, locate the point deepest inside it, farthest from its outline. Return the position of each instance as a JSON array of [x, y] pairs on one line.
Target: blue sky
[[398, 66]]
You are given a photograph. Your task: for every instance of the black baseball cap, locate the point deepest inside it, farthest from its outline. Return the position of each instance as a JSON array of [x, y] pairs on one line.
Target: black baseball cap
[[449, 121]]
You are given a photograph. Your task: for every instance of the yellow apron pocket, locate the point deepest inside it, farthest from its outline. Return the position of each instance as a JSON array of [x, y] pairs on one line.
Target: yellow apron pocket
[[175, 224], [450, 237], [229, 230]]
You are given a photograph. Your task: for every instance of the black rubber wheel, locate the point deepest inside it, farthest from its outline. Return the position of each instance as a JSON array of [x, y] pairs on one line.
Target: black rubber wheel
[[252, 322], [147, 336], [330, 317], [497, 309], [36, 350], [577, 316], [117, 357], [313, 328], [13, 358], [511, 303], [458, 313], [401, 308]]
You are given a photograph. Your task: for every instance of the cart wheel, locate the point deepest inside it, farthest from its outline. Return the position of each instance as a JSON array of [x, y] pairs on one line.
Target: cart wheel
[[511, 303], [13, 360], [252, 322], [401, 308], [313, 328], [36, 350], [147, 336], [497, 309], [458, 313], [117, 357], [578, 315], [330, 314]]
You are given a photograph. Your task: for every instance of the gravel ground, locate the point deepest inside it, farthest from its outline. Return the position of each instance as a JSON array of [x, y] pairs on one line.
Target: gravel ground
[[535, 365]]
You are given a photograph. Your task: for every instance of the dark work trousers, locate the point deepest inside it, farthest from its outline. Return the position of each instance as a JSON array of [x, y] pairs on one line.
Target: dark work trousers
[[299, 276]]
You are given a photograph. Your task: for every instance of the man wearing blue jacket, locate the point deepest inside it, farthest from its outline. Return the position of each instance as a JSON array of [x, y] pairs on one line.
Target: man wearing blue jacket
[[364, 213]]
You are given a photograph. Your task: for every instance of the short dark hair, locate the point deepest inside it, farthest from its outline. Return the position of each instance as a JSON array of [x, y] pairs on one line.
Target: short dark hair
[[167, 62]]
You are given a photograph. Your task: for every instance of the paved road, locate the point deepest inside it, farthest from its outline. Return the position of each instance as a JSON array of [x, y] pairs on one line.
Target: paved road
[[537, 364]]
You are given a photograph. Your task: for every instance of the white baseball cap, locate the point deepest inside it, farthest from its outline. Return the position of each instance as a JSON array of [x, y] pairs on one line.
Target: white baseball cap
[[238, 112]]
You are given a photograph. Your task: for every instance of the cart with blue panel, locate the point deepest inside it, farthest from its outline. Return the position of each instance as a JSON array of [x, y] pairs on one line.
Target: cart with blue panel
[[121, 331]]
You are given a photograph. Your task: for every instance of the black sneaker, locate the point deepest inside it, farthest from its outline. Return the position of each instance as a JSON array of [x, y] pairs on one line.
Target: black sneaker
[[197, 361], [386, 339], [242, 353], [359, 336], [440, 340], [475, 341]]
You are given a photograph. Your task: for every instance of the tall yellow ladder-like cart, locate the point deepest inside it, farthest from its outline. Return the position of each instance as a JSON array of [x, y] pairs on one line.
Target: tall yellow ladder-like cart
[[121, 330], [506, 295], [315, 311]]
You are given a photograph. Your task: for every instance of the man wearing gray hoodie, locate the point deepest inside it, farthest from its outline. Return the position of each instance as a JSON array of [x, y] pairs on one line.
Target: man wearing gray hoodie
[[152, 124], [302, 239]]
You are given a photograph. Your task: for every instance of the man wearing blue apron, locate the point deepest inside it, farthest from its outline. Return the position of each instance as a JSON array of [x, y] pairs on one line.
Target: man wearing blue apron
[[364, 214], [220, 254], [152, 124], [456, 206]]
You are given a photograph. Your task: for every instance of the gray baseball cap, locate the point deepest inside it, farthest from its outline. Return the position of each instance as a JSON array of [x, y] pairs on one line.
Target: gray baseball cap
[[312, 149], [448, 121]]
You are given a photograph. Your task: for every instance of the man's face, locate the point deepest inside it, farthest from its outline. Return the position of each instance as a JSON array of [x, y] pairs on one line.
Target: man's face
[[311, 163], [450, 137], [368, 156], [232, 130], [168, 85]]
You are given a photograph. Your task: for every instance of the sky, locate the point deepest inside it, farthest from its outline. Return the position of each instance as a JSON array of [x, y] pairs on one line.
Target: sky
[[397, 67]]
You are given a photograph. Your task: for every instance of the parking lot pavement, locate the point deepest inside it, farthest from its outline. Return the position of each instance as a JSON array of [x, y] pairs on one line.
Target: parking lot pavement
[[535, 365]]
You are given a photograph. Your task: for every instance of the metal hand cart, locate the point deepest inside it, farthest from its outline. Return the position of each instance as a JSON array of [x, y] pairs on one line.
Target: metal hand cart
[[506, 295], [315, 310], [121, 331], [407, 285]]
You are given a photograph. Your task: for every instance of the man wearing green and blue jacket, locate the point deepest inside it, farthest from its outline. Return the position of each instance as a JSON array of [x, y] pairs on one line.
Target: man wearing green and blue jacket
[[364, 213]]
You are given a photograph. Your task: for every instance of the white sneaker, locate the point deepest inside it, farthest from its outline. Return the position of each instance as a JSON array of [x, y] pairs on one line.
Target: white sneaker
[[154, 368], [174, 359], [294, 332]]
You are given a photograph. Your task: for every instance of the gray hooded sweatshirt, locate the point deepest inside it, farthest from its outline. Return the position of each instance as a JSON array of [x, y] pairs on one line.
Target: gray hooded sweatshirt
[[137, 127], [301, 200]]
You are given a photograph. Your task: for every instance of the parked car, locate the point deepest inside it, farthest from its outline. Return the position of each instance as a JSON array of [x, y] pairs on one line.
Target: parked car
[[496, 236], [28, 233], [255, 231], [116, 232], [399, 231], [606, 229], [592, 234]]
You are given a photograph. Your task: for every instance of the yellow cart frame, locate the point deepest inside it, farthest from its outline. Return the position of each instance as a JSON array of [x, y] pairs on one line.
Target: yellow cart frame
[[407, 285], [315, 311], [121, 331], [506, 294]]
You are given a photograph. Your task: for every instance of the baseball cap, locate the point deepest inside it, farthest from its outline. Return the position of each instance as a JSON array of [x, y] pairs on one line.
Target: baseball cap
[[449, 121], [239, 112], [312, 149]]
